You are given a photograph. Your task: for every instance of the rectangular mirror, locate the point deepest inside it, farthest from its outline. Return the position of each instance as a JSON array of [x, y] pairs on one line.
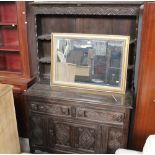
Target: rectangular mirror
[[90, 62]]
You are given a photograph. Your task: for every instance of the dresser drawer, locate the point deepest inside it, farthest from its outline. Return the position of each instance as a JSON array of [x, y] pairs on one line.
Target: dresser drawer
[[99, 116], [53, 109]]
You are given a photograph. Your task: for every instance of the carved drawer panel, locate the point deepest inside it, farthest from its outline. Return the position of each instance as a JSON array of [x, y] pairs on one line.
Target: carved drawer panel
[[59, 133], [99, 116], [51, 109]]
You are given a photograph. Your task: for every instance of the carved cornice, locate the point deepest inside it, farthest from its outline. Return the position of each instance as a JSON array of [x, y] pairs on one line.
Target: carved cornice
[[103, 10]]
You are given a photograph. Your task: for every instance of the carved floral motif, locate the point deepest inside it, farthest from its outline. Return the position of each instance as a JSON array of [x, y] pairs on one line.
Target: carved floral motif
[[86, 138], [115, 139], [62, 134]]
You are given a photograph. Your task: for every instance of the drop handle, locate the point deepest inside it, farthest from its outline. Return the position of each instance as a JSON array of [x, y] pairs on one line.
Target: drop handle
[[51, 132]]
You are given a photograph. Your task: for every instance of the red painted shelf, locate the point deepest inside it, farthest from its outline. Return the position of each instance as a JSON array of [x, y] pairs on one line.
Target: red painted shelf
[[10, 48], [8, 24]]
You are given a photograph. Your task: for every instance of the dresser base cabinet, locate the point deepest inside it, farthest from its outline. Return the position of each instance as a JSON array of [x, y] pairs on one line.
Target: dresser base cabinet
[[74, 122]]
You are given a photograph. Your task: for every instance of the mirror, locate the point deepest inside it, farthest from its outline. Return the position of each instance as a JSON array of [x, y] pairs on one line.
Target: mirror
[[97, 62]]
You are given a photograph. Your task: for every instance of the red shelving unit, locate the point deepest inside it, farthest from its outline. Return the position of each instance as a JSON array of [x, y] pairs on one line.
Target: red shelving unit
[[10, 58], [8, 12], [14, 56]]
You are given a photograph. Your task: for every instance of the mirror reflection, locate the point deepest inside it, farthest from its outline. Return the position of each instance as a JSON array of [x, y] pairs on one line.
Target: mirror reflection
[[89, 61]]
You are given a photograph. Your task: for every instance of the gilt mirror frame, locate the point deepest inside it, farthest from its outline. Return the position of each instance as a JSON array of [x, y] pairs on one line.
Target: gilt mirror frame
[[90, 87]]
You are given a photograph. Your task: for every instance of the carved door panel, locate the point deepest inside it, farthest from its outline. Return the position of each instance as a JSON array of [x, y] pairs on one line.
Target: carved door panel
[[115, 139], [38, 124], [88, 138], [59, 134], [74, 137]]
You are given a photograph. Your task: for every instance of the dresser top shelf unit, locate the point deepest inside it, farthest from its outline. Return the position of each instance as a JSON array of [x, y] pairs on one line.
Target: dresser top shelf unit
[[86, 17]]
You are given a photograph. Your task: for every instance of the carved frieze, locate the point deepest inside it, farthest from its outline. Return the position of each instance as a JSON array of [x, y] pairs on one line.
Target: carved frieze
[[96, 10]]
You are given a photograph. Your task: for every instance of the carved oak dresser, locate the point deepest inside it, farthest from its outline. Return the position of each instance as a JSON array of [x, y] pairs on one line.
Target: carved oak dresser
[[66, 121], [72, 122]]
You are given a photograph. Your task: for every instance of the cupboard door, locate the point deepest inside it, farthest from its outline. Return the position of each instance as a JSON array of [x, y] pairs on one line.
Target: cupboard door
[[115, 139], [87, 139], [37, 137], [59, 133], [144, 124], [71, 137]]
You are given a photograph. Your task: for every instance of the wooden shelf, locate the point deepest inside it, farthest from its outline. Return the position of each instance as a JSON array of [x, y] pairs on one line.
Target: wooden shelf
[[45, 37], [8, 24], [48, 37], [9, 48], [45, 60], [10, 73]]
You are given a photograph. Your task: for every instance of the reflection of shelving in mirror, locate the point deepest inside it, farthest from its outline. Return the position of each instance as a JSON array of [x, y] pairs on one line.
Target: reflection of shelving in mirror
[[92, 61], [89, 61]]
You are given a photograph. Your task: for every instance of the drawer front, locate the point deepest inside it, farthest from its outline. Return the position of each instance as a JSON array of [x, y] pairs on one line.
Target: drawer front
[[54, 109], [99, 116]]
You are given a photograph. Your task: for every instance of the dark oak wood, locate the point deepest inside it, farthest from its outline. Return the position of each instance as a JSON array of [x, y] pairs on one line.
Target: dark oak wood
[[65, 121], [144, 123], [41, 23]]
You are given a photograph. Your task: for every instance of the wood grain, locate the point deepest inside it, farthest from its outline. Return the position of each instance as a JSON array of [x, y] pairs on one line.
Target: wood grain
[[21, 16], [71, 122], [144, 124]]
